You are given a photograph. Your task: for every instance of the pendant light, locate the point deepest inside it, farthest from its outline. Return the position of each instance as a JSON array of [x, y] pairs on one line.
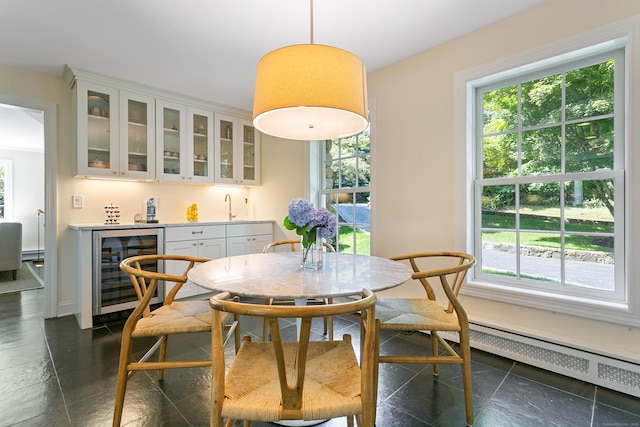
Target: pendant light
[[310, 92]]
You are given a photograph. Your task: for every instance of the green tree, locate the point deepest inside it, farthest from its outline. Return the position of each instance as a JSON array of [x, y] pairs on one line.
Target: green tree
[[533, 111], [350, 162]]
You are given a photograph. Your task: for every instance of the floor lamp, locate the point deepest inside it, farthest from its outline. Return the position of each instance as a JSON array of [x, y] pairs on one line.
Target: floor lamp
[[40, 261]]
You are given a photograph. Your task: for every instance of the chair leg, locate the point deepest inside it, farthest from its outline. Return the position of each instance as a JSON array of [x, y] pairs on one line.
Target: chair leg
[[265, 326], [14, 273], [163, 355], [434, 351], [465, 352], [123, 376], [328, 321], [376, 368]]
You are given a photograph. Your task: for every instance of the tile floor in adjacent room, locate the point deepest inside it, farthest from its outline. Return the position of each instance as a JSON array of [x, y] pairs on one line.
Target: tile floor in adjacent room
[[54, 374]]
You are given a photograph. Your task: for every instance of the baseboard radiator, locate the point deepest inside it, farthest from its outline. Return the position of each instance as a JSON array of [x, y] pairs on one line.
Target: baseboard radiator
[[590, 367]]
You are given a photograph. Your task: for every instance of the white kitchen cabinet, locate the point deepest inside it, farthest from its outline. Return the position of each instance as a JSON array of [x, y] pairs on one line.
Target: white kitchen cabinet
[[248, 238], [115, 132], [200, 152], [237, 146], [184, 143], [171, 141], [130, 131], [137, 136], [205, 241]]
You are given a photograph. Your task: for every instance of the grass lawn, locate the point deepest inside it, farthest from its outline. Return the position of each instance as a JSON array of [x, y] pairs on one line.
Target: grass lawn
[[546, 222], [363, 240]]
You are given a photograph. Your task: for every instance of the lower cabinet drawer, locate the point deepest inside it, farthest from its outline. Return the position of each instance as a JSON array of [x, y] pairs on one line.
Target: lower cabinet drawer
[[235, 230], [194, 232]]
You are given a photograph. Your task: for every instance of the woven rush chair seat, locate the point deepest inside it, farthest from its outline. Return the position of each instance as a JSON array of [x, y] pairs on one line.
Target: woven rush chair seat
[[331, 389], [172, 317], [410, 314], [428, 315], [176, 318], [277, 380], [295, 245]]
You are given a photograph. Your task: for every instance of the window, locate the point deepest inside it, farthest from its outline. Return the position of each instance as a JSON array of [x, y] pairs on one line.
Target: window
[[549, 181], [547, 200], [344, 190], [6, 211]]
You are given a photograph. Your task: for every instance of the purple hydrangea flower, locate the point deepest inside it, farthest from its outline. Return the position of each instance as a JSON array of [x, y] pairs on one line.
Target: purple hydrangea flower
[[300, 212], [325, 221]]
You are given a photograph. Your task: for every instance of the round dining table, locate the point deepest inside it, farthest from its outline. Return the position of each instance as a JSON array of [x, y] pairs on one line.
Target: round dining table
[[279, 275]]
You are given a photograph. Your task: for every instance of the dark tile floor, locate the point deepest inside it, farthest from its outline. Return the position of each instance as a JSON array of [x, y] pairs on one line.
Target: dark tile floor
[[54, 374]]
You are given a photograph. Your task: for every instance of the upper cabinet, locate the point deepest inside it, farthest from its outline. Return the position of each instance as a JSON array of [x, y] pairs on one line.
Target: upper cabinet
[[129, 131], [137, 136], [185, 138], [237, 151], [115, 132], [171, 135], [200, 152]]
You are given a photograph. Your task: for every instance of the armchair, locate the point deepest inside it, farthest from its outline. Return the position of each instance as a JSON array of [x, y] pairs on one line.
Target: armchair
[[11, 247]]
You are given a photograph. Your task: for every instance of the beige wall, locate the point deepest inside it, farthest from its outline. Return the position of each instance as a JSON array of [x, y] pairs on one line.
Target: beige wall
[[415, 137]]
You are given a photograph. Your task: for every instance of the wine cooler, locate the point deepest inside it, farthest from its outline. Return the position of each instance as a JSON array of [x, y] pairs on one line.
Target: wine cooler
[[113, 290]]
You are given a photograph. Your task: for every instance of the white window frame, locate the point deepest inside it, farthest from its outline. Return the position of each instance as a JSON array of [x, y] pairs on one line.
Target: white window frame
[[7, 165], [323, 192], [626, 310], [618, 295]]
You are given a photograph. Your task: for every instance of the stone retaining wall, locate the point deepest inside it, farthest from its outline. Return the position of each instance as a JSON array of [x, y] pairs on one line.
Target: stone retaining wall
[[537, 251]]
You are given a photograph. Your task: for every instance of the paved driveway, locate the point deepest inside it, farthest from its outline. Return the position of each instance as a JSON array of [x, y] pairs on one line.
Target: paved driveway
[[578, 273]]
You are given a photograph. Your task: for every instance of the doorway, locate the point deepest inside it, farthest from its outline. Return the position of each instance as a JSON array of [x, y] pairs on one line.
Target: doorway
[[29, 138]]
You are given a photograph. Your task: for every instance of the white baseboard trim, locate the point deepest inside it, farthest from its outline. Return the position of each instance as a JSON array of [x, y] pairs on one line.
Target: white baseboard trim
[[593, 368], [66, 308]]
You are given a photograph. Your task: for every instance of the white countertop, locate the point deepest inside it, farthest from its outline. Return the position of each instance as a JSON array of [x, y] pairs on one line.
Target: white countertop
[[128, 225]]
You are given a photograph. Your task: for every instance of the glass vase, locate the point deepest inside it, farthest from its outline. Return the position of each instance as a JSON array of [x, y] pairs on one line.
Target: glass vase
[[312, 255]]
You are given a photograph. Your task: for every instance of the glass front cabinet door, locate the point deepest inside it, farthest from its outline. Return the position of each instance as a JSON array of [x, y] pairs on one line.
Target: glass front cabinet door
[[137, 136], [200, 151], [115, 132], [237, 151], [250, 151], [171, 134], [97, 127]]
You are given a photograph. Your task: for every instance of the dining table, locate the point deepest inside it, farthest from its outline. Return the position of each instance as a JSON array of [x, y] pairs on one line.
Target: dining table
[[279, 275]]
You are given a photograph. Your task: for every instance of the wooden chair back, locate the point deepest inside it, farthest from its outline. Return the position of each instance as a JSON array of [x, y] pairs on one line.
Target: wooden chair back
[[291, 365], [451, 276], [144, 275]]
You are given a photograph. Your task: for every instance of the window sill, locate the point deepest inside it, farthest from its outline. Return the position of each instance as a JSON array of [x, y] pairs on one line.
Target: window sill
[[619, 313]]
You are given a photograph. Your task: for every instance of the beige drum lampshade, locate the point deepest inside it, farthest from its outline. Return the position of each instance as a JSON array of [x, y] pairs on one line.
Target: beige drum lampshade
[[310, 92]]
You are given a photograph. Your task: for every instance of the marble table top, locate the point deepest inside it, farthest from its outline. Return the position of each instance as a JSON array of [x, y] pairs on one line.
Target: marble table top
[[279, 275]]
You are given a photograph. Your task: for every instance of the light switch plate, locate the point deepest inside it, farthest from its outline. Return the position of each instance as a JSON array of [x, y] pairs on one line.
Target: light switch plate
[[77, 201]]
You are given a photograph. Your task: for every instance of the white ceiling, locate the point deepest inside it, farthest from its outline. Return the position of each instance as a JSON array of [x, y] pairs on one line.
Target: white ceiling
[[209, 48]]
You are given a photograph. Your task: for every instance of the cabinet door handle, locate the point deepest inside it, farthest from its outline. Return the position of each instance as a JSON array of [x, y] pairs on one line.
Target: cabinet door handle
[[197, 232]]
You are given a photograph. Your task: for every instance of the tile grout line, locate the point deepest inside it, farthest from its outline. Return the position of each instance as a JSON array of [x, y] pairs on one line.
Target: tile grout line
[[53, 364]]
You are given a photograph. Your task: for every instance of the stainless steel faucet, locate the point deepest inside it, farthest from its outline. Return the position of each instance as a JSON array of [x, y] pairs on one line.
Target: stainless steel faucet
[[231, 216]]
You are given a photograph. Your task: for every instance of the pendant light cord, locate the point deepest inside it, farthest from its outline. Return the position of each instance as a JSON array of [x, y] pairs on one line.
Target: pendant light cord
[[311, 19]]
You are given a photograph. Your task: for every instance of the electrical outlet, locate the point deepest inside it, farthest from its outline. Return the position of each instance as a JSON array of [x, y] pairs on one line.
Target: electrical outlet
[[77, 201]]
